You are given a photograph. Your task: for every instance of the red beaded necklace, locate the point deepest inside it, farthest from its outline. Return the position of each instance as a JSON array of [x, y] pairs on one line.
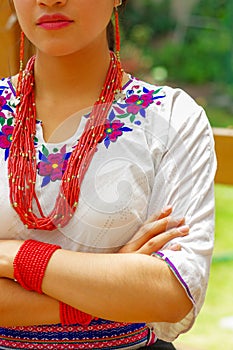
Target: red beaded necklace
[[22, 164]]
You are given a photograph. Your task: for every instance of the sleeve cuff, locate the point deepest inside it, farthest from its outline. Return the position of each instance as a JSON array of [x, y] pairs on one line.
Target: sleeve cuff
[[170, 331]]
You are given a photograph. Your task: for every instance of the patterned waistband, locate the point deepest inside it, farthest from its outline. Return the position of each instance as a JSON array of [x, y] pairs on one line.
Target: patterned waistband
[[100, 334]]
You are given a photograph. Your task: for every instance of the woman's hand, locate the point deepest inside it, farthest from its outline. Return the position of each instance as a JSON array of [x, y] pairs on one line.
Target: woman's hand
[[8, 251], [158, 230]]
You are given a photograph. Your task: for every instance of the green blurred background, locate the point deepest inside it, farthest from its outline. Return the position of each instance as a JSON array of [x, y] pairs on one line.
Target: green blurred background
[[184, 43]]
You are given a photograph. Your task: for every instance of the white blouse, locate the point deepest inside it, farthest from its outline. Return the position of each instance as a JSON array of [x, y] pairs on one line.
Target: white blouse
[[157, 150]]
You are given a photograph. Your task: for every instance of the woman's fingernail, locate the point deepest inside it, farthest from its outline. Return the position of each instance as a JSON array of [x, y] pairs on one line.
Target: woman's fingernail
[[184, 229], [175, 247], [179, 220], [166, 209]]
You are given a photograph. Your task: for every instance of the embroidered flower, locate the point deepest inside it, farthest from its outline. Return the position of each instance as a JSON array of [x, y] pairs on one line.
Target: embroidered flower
[[6, 136], [138, 99], [52, 166], [2, 104], [114, 129], [6, 139], [5, 104], [135, 103]]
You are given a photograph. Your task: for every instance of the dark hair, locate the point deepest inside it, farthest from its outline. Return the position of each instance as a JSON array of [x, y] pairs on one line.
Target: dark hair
[[110, 30]]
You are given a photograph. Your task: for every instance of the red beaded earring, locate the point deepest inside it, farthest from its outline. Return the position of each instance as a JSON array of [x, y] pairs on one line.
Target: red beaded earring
[[117, 38], [21, 62], [117, 31]]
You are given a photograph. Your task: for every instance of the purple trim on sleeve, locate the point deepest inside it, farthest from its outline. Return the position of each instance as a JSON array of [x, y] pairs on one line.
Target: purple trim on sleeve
[[172, 266], [11, 86]]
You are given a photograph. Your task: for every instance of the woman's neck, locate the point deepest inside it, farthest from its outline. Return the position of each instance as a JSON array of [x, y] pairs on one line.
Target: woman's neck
[[67, 86], [80, 75]]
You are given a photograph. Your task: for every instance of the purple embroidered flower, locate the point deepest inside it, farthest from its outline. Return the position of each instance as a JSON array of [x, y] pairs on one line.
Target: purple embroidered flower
[[52, 166], [114, 129], [4, 106], [136, 103], [6, 136]]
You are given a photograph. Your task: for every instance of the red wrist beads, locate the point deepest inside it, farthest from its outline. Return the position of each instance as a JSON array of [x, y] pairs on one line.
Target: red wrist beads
[[30, 264], [29, 268], [70, 315]]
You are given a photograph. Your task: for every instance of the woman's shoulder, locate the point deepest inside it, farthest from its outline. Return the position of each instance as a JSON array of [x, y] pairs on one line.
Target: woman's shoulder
[[172, 95], [8, 82], [168, 103], [7, 90]]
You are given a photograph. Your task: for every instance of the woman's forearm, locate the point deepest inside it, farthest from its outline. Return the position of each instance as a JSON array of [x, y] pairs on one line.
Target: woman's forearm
[[19, 307], [119, 287], [129, 287]]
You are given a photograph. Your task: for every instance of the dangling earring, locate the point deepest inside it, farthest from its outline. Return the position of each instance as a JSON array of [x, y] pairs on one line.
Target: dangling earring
[[117, 39], [21, 63], [117, 33]]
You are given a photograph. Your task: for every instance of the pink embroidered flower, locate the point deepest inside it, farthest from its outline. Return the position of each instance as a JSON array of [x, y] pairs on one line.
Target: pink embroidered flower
[[2, 104], [135, 102], [114, 129], [52, 166], [6, 136]]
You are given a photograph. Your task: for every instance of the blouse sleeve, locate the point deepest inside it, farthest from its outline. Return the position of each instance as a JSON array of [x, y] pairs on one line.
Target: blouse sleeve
[[184, 178]]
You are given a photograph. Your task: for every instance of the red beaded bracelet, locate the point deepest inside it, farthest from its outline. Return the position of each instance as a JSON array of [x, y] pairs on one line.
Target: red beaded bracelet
[[29, 268], [70, 315], [30, 263]]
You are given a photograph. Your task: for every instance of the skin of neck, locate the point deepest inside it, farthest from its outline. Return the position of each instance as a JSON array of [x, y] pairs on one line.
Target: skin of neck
[[81, 73]]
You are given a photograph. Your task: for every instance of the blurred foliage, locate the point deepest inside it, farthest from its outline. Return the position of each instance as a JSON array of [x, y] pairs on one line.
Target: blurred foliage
[[202, 54], [146, 19], [212, 8], [143, 23]]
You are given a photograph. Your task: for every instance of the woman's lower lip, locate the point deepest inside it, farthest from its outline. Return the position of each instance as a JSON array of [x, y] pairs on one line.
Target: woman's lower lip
[[54, 25]]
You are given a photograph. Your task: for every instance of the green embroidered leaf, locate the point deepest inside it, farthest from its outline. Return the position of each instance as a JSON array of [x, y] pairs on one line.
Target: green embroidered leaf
[[55, 150], [2, 121], [12, 104], [132, 118], [45, 151], [10, 121], [157, 91], [35, 139], [121, 116]]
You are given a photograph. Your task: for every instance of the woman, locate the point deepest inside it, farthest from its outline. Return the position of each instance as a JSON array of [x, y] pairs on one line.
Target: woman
[[84, 261]]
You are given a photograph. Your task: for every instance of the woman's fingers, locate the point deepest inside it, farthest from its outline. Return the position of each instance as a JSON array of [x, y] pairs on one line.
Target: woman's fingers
[[175, 247], [157, 242], [150, 230], [164, 213]]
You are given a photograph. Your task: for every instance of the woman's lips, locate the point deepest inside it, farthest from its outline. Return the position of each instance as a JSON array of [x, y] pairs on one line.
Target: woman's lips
[[53, 22]]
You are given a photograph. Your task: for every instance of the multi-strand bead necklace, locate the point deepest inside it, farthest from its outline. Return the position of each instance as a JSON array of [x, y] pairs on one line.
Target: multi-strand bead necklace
[[22, 163]]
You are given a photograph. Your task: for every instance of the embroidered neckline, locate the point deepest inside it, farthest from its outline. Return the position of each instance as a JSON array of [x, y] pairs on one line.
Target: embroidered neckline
[[126, 114]]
